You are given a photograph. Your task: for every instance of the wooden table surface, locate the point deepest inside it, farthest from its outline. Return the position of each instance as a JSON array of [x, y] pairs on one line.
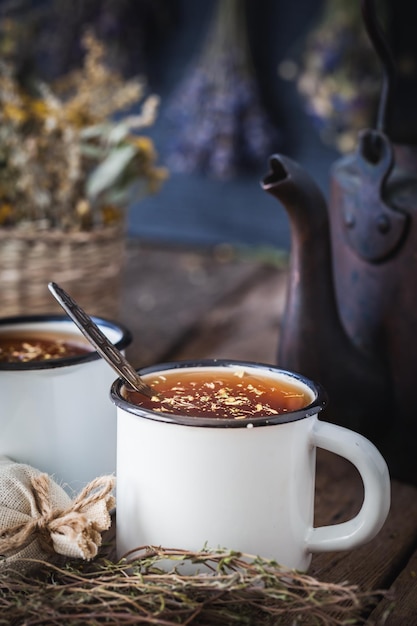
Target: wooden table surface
[[182, 304]]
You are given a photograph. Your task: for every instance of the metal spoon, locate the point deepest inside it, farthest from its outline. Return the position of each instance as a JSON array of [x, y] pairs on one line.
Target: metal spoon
[[100, 342]]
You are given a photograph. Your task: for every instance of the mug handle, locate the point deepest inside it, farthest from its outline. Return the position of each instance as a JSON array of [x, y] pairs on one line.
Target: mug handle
[[377, 489]]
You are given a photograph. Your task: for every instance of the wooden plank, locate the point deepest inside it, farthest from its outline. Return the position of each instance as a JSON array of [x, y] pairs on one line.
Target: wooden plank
[[339, 489], [168, 291], [399, 608], [245, 325], [376, 564]]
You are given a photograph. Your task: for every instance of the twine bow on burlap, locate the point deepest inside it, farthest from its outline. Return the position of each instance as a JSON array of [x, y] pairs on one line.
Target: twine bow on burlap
[[38, 519]]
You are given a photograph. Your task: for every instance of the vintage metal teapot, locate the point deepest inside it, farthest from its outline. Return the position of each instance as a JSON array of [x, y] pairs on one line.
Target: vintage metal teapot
[[351, 311]]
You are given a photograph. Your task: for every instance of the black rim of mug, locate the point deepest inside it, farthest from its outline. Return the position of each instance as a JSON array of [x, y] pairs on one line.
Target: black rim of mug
[[121, 344], [317, 405]]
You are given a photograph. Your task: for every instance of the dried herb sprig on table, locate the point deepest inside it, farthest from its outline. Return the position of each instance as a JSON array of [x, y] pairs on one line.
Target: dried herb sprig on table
[[229, 588], [65, 162]]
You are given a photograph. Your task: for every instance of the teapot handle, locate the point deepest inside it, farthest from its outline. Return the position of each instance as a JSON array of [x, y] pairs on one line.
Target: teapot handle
[[377, 490]]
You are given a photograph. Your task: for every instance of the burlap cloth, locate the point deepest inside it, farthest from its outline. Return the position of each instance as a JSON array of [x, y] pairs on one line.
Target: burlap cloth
[[39, 520]]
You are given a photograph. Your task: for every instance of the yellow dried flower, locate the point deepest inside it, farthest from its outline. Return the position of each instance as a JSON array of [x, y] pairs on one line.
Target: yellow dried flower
[[144, 144], [39, 108], [14, 113], [83, 207], [110, 215], [6, 212]]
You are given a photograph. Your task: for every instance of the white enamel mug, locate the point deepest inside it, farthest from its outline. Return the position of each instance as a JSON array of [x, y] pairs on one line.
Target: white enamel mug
[[247, 485], [55, 415]]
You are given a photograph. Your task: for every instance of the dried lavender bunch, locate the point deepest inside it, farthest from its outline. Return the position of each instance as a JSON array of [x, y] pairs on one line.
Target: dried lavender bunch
[[221, 126]]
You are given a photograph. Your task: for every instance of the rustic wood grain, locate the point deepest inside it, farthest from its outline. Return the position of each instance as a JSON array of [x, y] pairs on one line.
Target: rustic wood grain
[[380, 563], [167, 293], [377, 564], [245, 325], [339, 489], [399, 608]]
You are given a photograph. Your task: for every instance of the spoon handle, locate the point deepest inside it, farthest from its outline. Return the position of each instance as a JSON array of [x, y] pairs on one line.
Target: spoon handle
[[98, 339]]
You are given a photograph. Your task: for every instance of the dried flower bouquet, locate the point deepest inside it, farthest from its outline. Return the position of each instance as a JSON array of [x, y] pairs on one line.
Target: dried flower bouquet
[[65, 162]]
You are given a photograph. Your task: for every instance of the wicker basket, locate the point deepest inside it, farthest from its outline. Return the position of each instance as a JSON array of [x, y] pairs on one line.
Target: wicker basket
[[87, 264]]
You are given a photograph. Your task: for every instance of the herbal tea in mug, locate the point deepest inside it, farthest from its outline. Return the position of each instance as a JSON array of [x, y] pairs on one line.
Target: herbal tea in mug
[[224, 456], [37, 345], [227, 394], [55, 414]]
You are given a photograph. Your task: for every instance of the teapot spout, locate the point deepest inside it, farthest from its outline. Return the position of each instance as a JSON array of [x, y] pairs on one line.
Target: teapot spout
[[313, 340]]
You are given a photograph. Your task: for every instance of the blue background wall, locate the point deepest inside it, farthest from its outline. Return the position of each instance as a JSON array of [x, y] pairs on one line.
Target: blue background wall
[[193, 209]]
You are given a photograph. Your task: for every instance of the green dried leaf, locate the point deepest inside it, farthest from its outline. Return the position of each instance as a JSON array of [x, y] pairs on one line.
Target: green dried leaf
[[107, 173], [118, 133], [92, 132]]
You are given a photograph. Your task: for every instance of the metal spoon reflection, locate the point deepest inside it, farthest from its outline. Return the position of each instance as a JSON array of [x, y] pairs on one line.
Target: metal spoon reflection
[[100, 342]]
